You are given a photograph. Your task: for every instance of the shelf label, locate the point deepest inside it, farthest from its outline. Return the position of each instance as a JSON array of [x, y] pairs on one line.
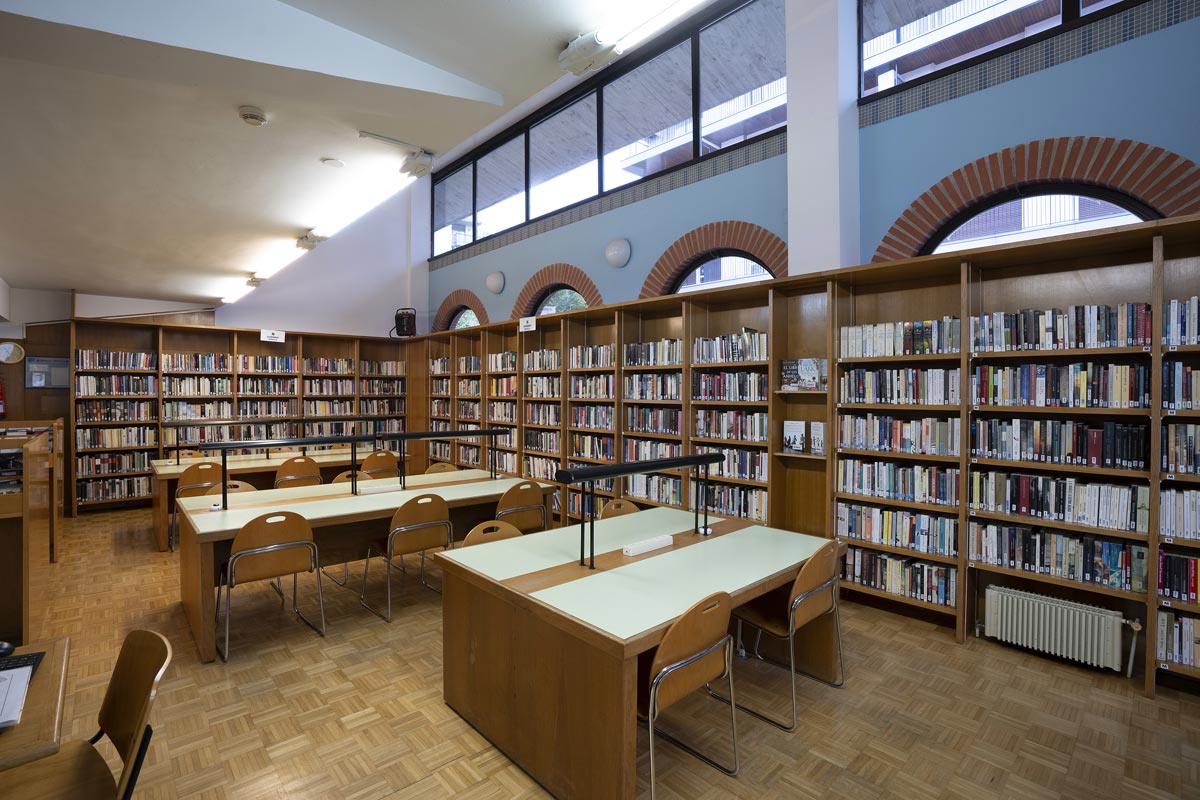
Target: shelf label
[[1166, 603], [1170, 476], [1145, 349], [974, 460], [527, 324], [1169, 540], [1173, 348], [265, 335], [1171, 413], [1165, 666], [970, 563]]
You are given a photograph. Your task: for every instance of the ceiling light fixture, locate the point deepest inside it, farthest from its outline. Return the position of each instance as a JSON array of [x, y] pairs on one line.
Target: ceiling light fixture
[[419, 161], [310, 240], [336, 163], [595, 50], [252, 116]]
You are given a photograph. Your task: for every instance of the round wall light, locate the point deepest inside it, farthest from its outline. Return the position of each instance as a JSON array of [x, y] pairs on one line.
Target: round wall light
[[617, 252], [495, 282]]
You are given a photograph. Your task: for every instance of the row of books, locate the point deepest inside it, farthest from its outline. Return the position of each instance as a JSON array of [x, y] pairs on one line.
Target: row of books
[[540, 468], [116, 385], [439, 408], [115, 411], [328, 408], [1177, 576], [265, 387], [266, 408], [1179, 513], [506, 439], [196, 362], [439, 366], [317, 365], [266, 363], [648, 449], [653, 419], [606, 485], [747, 465], [600, 386], [1079, 385], [587, 445], [198, 386], [1177, 639], [469, 387], [374, 408], [749, 345], [654, 386], [888, 479], [503, 411], [92, 490], [440, 451], [1110, 445], [1181, 448], [114, 359], [592, 356], [900, 575], [886, 433], [468, 409], [898, 527], [804, 374], [1180, 386], [328, 386], [1082, 326], [184, 410], [502, 362], [922, 337], [543, 441], [110, 463], [1098, 505], [505, 461], [543, 359], [795, 441], [656, 488], [652, 354], [99, 438], [470, 364], [368, 367], [1181, 322], [751, 426], [469, 455], [1070, 556], [543, 414], [736, 501], [907, 386], [600, 417], [543, 386], [439, 387], [731, 386], [508, 386], [382, 386]]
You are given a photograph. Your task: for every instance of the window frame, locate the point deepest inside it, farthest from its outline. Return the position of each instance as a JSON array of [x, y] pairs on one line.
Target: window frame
[[693, 264], [1072, 17], [688, 29], [457, 314], [1119, 199], [544, 295]]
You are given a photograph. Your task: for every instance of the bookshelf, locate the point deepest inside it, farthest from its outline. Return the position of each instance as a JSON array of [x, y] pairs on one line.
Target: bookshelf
[[543, 412], [502, 404], [383, 384], [468, 409], [593, 405], [440, 362]]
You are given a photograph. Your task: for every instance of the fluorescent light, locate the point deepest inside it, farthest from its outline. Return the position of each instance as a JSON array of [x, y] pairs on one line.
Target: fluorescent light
[[629, 33], [237, 293]]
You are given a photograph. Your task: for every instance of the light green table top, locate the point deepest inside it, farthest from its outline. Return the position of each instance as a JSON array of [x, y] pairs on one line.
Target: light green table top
[[638, 597], [512, 557], [165, 468], [333, 500]]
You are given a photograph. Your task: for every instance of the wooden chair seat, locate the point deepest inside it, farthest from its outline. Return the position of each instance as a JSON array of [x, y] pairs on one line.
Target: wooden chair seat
[[767, 612], [344, 477], [494, 531], [233, 487], [440, 467], [76, 772]]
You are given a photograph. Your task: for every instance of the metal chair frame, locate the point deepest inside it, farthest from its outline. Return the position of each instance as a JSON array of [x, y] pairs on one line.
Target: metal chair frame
[[725, 642], [173, 533], [229, 579], [387, 560], [832, 583], [539, 507]]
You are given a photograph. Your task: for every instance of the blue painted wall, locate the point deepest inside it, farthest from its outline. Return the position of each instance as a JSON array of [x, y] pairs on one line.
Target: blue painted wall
[[1145, 89], [755, 193]]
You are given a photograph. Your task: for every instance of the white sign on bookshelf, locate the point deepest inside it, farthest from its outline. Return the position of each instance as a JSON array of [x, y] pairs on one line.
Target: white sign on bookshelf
[[528, 324], [271, 336]]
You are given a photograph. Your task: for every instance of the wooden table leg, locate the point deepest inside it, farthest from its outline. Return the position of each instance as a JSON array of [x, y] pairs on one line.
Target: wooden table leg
[[161, 494], [562, 709], [196, 588]]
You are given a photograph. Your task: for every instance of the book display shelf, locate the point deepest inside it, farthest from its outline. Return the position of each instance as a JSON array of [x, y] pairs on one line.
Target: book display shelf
[[468, 395], [440, 410], [502, 363], [592, 401], [543, 411], [382, 384]]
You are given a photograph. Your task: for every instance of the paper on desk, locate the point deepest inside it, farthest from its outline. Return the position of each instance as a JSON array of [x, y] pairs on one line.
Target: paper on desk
[[13, 685]]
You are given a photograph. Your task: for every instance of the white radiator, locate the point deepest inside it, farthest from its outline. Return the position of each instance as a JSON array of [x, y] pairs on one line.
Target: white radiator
[[1058, 627]]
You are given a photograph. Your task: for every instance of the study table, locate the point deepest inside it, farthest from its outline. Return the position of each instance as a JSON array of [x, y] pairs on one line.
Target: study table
[[256, 469], [39, 733], [343, 524], [541, 654]]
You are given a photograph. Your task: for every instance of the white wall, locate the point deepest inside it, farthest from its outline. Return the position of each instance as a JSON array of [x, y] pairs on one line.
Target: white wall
[[823, 185], [354, 282], [101, 306], [39, 305]]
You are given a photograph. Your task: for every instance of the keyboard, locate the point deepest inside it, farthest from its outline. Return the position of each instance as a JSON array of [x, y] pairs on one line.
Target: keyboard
[[22, 660]]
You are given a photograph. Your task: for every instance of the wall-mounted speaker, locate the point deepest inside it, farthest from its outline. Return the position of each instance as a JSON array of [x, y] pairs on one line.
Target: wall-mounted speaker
[[406, 322]]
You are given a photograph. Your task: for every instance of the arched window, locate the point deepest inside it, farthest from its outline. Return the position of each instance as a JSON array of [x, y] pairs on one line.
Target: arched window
[[559, 299], [722, 269], [1052, 212], [464, 318]]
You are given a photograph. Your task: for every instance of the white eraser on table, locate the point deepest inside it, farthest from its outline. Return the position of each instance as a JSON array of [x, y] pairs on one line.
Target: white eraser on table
[[646, 545]]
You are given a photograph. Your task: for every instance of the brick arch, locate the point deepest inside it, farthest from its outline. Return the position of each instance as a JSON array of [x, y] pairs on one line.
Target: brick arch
[[453, 302], [548, 277], [682, 256], [1159, 179]]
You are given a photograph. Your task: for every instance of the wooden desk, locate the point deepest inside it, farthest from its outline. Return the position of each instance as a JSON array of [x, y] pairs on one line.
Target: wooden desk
[[39, 732], [342, 524], [541, 654], [255, 469], [25, 541]]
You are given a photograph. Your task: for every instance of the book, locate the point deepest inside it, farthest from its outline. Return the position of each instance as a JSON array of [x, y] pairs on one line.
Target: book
[[789, 374], [14, 683], [793, 436], [817, 438]]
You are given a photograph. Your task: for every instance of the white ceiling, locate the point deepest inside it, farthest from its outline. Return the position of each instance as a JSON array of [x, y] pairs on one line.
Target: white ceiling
[[126, 170]]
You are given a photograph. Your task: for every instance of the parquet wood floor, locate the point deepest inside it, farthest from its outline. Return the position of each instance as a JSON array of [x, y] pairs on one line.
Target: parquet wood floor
[[359, 715]]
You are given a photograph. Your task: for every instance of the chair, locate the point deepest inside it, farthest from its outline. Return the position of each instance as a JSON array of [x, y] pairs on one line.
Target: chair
[[381, 464], [486, 532], [812, 595], [695, 651], [421, 524], [233, 487], [523, 507], [617, 508], [280, 451], [298, 471], [344, 477], [193, 482], [188, 453], [440, 467], [78, 770], [270, 546]]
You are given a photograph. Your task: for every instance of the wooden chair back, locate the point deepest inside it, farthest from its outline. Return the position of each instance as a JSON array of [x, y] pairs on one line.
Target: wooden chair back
[[381, 464], [233, 487], [344, 477], [494, 531], [279, 527], [125, 712], [440, 467], [429, 517], [298, 471], [197, 478], [617, 508], [188, 453], [696, 630], [280, 451], [820, 568], [523, 507]]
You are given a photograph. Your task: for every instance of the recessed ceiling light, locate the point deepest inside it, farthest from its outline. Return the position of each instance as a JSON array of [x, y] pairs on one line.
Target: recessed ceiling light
[[253, 116], [336, 163]]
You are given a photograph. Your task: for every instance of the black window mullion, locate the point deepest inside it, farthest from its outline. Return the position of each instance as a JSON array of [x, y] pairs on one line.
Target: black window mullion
[[696, 94], [1070, 10], [599, 139], [527, 170], [432, 216], [474, 199]]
